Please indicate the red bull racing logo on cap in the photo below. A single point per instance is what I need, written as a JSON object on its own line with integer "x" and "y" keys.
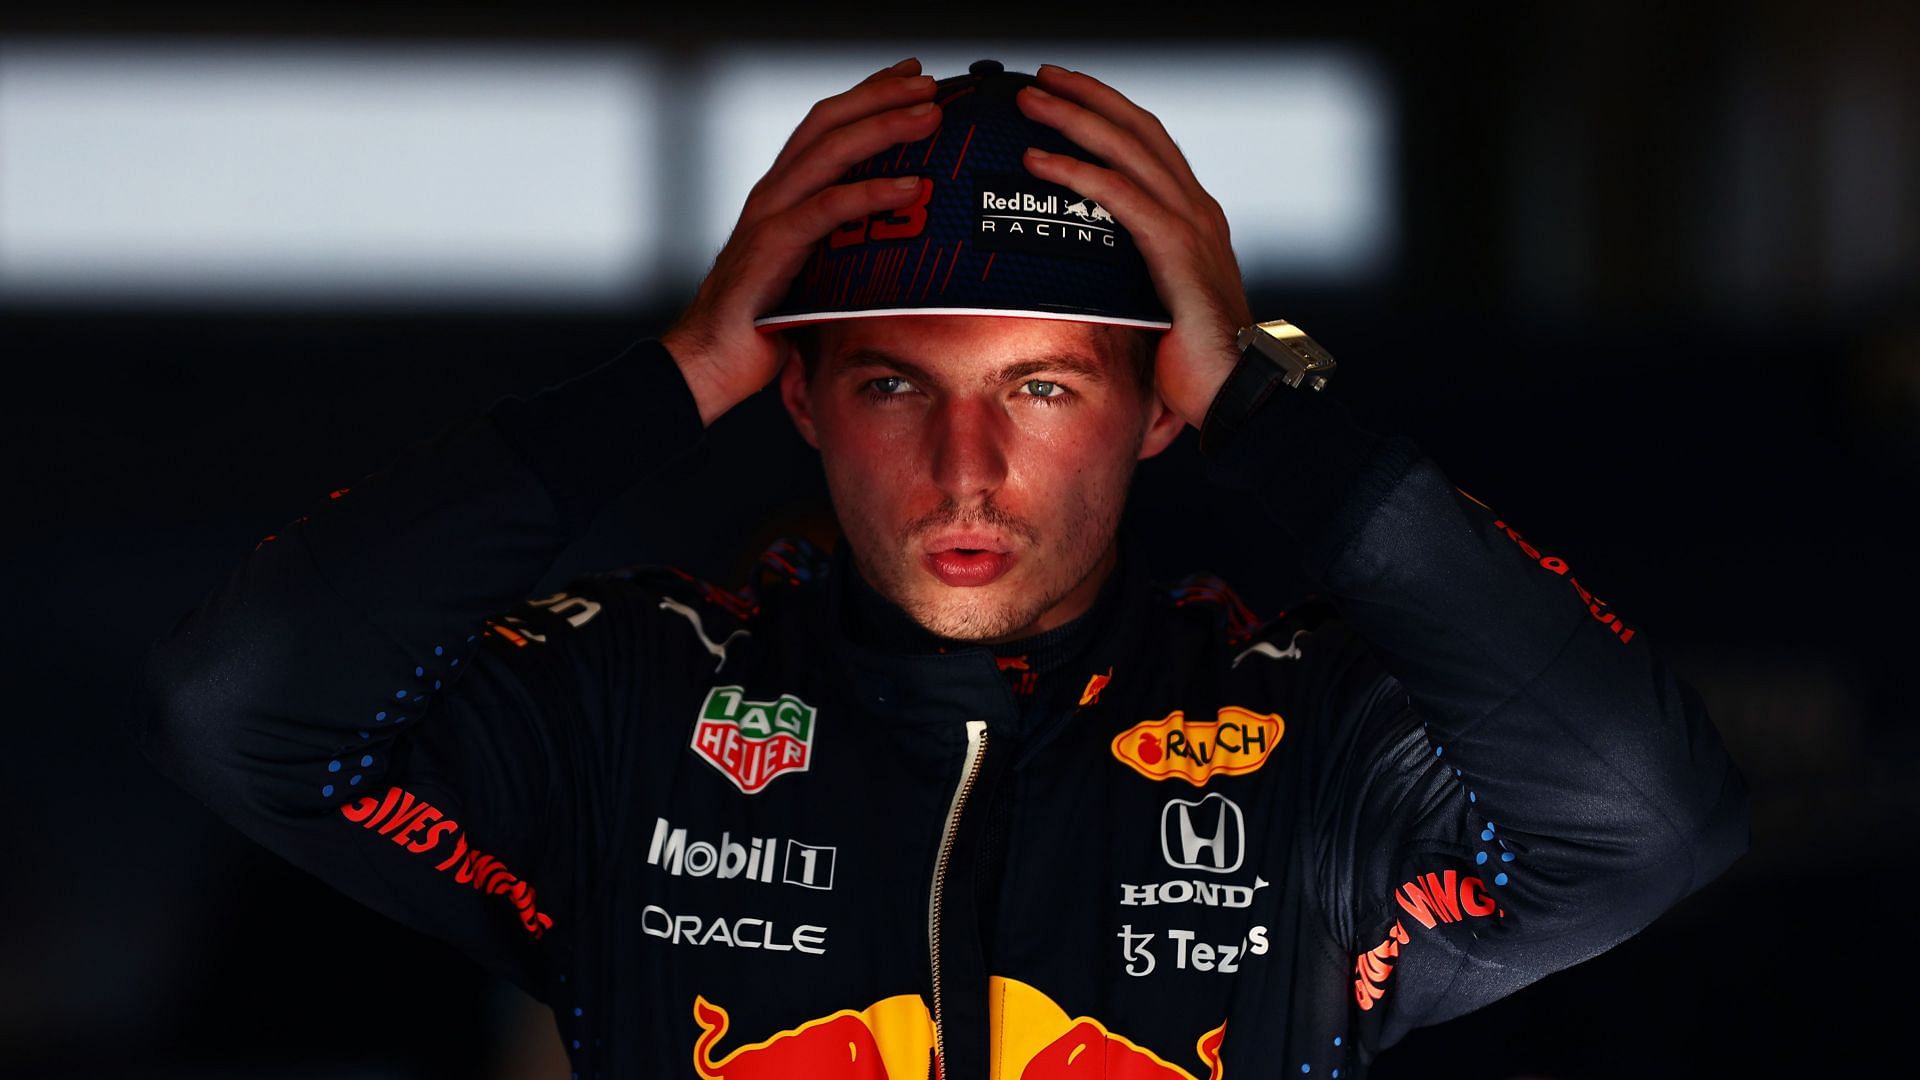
{"x": 752, "y": 742}
{"x": 1024, "y": 213}
{"x": 1238, "y": 741}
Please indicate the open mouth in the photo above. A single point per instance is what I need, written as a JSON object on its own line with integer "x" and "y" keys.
{"x": 968, "y": 568}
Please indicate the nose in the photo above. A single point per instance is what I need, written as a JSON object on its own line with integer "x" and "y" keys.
{"x": 969, "y": 449}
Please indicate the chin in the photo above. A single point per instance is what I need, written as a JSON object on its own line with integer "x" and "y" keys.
{"x": 969, "y": 619}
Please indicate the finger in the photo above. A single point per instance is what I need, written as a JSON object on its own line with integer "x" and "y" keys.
{"x": 909, "y": 66}
{"x": 1118, "y": 147}
{"x": 837, "y": 151}
{"x": 777, "y": 247}
{"x": 1170, "y": 243}
{"x": 865, "y": 99}
{"x": 1085, "y": 90}
{"x": 905, "y": 68}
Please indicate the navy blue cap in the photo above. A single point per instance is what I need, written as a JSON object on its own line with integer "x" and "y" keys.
{"x": 986, "y": 237}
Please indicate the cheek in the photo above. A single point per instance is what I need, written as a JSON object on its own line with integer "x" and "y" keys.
{"x": 870, "y": 452}
{"x": 1081, "y": 487}
{"x": 1091, "y": 453}
{"x": 867, "y": 472}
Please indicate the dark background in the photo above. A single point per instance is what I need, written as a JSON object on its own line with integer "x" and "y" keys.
{"x": 1721, "y": 437}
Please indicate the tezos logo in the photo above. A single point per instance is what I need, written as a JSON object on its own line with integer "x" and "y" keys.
{"x": 1236, "y": 742}
{"x": 751, "y": 742}
{"x": 753, "y": 858}
{"x": 1190, "y": 954}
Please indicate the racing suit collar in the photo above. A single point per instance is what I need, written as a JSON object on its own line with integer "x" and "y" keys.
{"x": 965, "y": 682}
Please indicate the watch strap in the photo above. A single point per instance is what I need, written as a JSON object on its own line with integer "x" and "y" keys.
{"x": 1248, "y": 385}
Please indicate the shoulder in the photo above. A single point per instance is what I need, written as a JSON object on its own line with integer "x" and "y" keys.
{"x": 1306, "y": 656}
{"x": 1308, "y": 663}
{"x": 1213, "y": 618}
{"x": 663, "y": 606}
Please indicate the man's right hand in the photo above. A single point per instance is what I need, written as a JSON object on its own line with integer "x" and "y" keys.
{"x": 724, "y": 359}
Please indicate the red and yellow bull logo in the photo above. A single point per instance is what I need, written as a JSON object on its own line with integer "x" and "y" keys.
{"x": 1095, "y": 684}
{"x": 892, "y": 1039}
{"x": 1035, "y": 1039}
{"x": 1238, "y": 741}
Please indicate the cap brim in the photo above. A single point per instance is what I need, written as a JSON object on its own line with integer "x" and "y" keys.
{"x": 787, "y": 322}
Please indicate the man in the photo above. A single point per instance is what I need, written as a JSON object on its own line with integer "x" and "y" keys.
{"x": 971, "y": 797}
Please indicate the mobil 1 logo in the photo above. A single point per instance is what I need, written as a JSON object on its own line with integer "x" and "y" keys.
{"x": 762, "y": 859}
{"x": 1015, "y": 212}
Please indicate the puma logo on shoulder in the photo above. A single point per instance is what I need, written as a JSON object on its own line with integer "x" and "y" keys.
{"x": 1269, "y": 649}
{"x": 700, "y": 629}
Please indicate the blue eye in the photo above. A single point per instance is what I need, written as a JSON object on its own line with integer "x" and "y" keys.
{"x": 1045, "y": 391}
{"x": 887, "y": 386}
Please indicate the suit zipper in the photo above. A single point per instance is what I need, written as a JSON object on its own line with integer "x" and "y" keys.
{"x": 976, "y": 746}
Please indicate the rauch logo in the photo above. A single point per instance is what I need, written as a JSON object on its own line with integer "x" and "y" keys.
{"x": 752, "y": 742}
{"x": 1237, "y": 742}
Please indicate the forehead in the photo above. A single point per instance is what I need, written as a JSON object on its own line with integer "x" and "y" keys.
{"x": 969, "y": 340}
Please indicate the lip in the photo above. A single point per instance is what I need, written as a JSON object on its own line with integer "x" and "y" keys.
{"x": 960, "y": 571}
{"x": 977, "y": 541}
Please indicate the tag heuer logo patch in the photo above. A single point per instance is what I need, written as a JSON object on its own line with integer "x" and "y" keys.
{"x": 1236, "y": 742}
{"x": 754, "y": 741}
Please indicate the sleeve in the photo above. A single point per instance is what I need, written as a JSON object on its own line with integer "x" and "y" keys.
{"x": 373, "y": 694}
{"x": 1509, "y": 778}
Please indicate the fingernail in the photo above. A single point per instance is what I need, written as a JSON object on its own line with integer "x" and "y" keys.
{"x": 921, "y": 109}
{"x": 1055, "y": 67}
{"x": 906, "y": 182}
{"x": 1036, "y": 92}
{"x": 1037, "y": 152}
{"x": 904, "y": 64}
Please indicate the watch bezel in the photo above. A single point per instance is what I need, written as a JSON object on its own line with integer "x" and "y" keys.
{"x": 1300, "y": 358}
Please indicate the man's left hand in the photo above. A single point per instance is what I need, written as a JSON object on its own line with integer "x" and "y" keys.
{"x": 1180, "y": 230}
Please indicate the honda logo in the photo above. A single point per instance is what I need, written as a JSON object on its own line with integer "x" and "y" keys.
{"x": 1208, "y": 834}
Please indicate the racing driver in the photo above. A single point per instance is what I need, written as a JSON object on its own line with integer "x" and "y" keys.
{"x": 968, "y": 795}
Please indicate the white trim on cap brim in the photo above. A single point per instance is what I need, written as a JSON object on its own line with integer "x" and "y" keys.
{"x": 778, "y": 322}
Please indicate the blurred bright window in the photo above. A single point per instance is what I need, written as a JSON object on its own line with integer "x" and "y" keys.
{"x": 351, "y": 175}
{"x": 355, "y": 175}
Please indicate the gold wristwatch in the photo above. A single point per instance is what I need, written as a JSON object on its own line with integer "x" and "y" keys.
{"x": 1301, "y": 359}
{"x": 1272, "y": 353}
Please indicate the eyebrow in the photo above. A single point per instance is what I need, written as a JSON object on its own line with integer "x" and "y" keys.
{"x": 1073, "y": 363}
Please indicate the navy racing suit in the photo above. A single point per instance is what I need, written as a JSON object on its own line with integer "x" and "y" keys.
{"x": 767, "y": 831}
